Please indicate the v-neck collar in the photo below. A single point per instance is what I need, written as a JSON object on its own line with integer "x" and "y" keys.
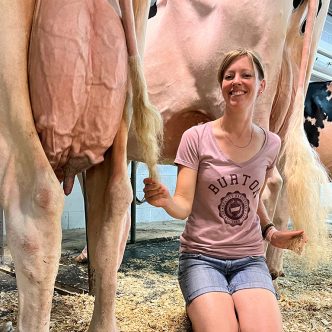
{"x": 226, "y": 158}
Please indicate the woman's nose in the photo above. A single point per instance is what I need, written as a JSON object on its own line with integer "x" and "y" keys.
{"x": 236, "y": 80}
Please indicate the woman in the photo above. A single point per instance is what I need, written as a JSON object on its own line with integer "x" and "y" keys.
{"x": 222, "y": 170}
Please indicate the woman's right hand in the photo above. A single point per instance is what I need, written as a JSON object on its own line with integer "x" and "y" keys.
{"x": 156, "y": 193}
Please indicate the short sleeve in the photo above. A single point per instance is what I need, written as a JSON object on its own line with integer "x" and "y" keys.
{"x": 187, "y": 154}
{"x": 276, "y": 148}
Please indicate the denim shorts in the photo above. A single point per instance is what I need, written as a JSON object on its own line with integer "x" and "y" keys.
{"x": 199, "y": 274}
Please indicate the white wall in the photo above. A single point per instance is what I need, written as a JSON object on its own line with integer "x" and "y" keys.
{"x": 322, "y": 70}
{"x": 73, "y": 214}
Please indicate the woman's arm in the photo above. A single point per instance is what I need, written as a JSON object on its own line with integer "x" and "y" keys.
{"x": 179, "y": 206}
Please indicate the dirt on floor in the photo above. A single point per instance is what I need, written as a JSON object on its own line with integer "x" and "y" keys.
{"x": 149, "y": 299}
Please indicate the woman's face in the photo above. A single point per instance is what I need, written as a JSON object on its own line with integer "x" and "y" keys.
{"x": 240, "y": 85}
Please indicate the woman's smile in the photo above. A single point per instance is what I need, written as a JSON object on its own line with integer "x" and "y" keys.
{"x": 237, "y": 93}
{"x": 240, "y": 84}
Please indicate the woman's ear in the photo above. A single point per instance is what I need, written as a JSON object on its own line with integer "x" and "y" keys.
{"x": 261, "y": 87}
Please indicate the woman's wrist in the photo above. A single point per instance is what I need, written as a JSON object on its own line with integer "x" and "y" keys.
{"x": 269, "y": 233}
{"x": 266, "y": 228}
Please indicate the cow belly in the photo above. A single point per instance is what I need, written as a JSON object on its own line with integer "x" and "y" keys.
{"x": 77, "y": 80}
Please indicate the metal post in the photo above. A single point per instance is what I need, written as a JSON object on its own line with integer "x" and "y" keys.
{"x": 133, "y": 203}
{"x": 2, "y": 242}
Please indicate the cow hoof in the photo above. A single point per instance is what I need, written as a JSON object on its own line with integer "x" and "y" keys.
{"x": 276, "y": 289}
{"x": 6, "y": 327}
{"x": 81, "y": 259}
{"x": 278, "y": 296}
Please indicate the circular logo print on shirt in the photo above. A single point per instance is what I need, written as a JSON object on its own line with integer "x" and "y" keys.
{"x": 234, "y": 208}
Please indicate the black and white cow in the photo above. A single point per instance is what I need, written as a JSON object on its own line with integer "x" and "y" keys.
{"x": 318, "y": 110}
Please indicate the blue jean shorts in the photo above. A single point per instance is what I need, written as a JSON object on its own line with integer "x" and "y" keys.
{"x": 199, "y": 274}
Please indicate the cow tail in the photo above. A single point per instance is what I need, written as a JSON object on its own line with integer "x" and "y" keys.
{"x": 146, "y": 119}
{"x": 147, "y": 122}
{"x": 304, "y": 173}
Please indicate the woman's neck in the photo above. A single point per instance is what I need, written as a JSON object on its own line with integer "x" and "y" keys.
{"x": 236, "y": 122}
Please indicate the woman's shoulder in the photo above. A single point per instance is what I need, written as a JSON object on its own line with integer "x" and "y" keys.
{"x": 273, "y": 137}
{"x": 197, "y": 130}
{"x": 273, "y": 143}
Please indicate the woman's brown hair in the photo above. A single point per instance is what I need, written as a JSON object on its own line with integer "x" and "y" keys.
{"x": 232, "y": 55}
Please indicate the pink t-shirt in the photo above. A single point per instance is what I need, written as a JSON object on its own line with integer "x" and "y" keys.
{"x": 224, "y": 221}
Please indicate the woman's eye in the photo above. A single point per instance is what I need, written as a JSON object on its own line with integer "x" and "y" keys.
{"x": 228, "y": 77}
{"x": 247, "y": 75}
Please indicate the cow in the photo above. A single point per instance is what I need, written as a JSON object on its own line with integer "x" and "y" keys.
{"x": 318, "y": 120}
{"x": 186, "y": 41}
{"x": 324, "y": 148}
{"x": 318, "y": 129}
{"x": 71, "y": 70}
{"x": 318, "y": 108}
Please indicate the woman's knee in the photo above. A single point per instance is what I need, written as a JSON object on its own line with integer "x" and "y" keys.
{"x": 210, "y": 311}
{"x": 257, "y": 310}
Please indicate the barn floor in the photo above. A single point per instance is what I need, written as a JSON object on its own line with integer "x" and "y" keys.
{"x": 148, "y": 297}
{"x": 73, "y": 241}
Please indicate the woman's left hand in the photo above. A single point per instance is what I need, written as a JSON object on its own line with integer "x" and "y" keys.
{"x": 292, "y": 240}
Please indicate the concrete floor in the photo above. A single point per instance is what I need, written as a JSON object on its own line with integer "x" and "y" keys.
{"x": 74, "y": 239}
{"x": 150, "y": 237}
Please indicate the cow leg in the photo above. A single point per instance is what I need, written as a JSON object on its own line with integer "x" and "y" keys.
{"x": 30, "y": 194}
{"x": 271, "y": 200}
{"x": 109, "y": 196}
{"x": 271, "y": 192}
{"x": 83, "y": 256}
{"x": 32, "y": 200}
{"x": 33, "y": 225}
{"x": 274, "y": 256}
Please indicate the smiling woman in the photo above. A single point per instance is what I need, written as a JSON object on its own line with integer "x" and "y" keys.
{"x": 222, "y": 169}
{"x": 241, "y": 81}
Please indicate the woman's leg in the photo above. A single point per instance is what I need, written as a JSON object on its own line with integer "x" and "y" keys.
{"x": 257, "y": 310}
{"x": 213, "y": 312}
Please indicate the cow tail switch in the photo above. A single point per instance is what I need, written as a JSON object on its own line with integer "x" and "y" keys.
{"x": 147, "y": 120}
{"x": 305, "y": 175}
